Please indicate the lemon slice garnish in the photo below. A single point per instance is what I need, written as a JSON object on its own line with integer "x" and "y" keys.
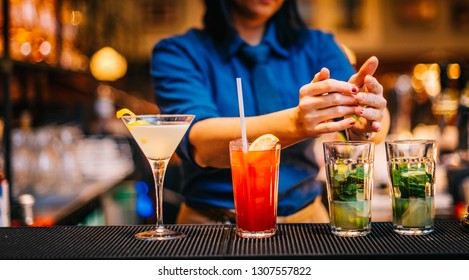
{"x": 264, "y": 142}
{"x": 133, "y": 121}
{"x": 138, "y": 122}
{"x": 123, "y": 112}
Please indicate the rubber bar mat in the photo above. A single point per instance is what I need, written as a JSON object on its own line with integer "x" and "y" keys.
{"x": 220, "y": 241}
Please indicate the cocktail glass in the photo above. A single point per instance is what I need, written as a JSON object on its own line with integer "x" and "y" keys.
{"x": 158, "y": 137}
{"x": 411, "y": 170}
{"x": 349, "y": 169}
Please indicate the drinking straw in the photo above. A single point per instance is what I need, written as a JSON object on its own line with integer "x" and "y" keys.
{"x": 241, "y": 115}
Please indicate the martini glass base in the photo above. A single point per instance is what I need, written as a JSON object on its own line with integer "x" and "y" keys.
{"x": 159, "y": 234}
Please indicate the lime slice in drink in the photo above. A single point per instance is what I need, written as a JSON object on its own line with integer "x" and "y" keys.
{"x": 414, "y": 173}
{"x": 351, "y": 214}
{"x": 416, "y": 214}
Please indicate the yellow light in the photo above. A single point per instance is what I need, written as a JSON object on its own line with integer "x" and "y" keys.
{"x": 25, "y": 48}
{"x": 434, "y": 67}
{"x": 76, "y": 18}
{"x": 432, "y": 82}
{"x": 45, "y": 48}
{"x": 453, "y": 71}
{"x": 420, "y": 70}
{"x": 108, "y": 65}
{"x": 417, "y": 84}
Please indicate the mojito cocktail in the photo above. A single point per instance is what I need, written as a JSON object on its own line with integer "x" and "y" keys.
{"x": 411, "y": 169}
{"x": 349, "y": 169}
{"x": 412, "y": 194}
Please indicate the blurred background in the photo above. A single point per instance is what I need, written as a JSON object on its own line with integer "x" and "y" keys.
{"x": 68, "y": 65}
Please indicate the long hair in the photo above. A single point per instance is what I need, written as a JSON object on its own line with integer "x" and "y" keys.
{"x": 219, "y": 23}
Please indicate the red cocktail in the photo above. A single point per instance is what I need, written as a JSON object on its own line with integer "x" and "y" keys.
{"x": 255, "y": 187}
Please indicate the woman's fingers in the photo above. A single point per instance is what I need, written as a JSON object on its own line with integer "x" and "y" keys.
{"x": 328, "y": 114}
{"x": 322, "y": 75}
{"x": 368, "y": 68}
{"x": 372, "y": 85}
{"x": 325, "y": 100}
{"x": 371, "y": 114}
{"x": 328, "y": 127}
{"x": 327, "y": 86}
{"x": 323, "y": 84}
{"x": 371, "y": 105}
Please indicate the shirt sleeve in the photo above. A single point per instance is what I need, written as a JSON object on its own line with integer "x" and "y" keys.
{"x": 179, "y": 84}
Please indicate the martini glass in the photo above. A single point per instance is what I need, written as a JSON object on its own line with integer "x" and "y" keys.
{"x": 158, "y": 137}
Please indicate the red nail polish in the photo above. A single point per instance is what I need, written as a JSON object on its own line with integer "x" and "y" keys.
{"x": 354, "y": 89}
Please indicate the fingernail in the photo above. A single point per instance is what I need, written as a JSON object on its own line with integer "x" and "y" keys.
{"x": 351, "y": 121}
{"x": 360, "y": 110}
{"x": 359, "y": 98}
{"x": 377, "y": 126}
{"x": 354, "y": 89}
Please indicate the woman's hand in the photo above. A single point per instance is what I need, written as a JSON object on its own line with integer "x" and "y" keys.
{"x": 371, "y": 103}
{"x": 324, "y": 100}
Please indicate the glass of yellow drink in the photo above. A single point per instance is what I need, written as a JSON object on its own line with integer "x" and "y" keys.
{"x": 158, "y": 137}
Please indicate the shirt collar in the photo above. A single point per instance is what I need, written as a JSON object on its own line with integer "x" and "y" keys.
{"x": 269, "y": 38}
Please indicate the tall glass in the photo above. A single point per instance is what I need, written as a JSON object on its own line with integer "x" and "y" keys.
{"x": 158, "y": 137}
{"x": 255, "y": 189}
{"x": 349, "y": 169}
{"x": 411, "y": 170}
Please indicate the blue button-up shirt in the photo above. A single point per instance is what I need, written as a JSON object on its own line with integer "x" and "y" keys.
{"x": 193, "y": 74}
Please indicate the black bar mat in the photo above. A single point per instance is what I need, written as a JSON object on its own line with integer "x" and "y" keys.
{"x": 315, "y": 241}
{"x": 110, "y": 242}
{"x": 220, "y": 242}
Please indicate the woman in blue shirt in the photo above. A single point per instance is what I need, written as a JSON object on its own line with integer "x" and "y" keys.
{"x": 195, "y": 73}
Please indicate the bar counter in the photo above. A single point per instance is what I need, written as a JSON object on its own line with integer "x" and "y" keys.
{"x": 293, "y": 241}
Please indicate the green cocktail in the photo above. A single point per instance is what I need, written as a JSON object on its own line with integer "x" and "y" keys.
{"x": 350, "y": 196}
{"x": 412, "y": 193}
{"x": 349, "y": 174}
{"x": 411, "y": 170}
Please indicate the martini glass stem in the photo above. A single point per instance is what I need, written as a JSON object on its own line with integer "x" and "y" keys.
{"x": 158, "y": 168}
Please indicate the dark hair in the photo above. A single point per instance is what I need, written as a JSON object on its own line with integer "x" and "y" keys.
{"x": 219, "y": 23}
